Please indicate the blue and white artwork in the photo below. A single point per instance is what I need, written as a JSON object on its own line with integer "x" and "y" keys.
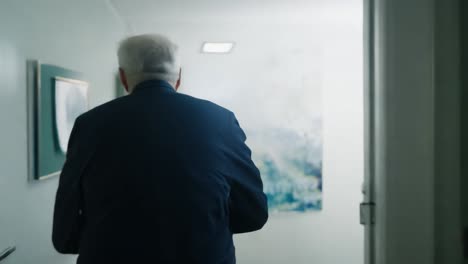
{"x": 71, "y": 100}
{"x": 290, "y": 162}
{"x": 275, "y": 88}
{"x": 283, "y": 121}
{"x": 284, "y": 128}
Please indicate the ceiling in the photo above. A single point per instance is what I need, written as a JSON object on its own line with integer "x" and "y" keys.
{"x": 142, "y": 15}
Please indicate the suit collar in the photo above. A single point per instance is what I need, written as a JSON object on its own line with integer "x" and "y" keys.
{"x": 154, "y": 85}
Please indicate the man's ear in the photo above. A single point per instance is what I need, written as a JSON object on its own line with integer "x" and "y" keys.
{"x": 123, "y": 79}
{"x": 179, "y": 81}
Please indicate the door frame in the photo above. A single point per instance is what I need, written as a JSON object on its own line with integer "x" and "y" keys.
{"x": 368, "y": 189}
{"x": 464, "y": 125}
{"x": 413, "y": 131}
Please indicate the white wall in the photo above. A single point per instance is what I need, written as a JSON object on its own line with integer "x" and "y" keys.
{"x": 79, "y": 35}
{"x": 319, "y": 42}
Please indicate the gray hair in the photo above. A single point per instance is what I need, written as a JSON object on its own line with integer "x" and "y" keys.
{"x": 148, "y": 57}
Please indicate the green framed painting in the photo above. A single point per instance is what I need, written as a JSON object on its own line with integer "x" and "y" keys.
{"x": 56, "y": 97}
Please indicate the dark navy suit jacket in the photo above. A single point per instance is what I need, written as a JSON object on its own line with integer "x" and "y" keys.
{"x": 157, "y": 177}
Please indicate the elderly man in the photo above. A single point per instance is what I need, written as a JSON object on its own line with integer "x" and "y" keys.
{"x": 156, "y": 176}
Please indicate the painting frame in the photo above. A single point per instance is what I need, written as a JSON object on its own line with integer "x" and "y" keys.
{"x": 44, "y": 161}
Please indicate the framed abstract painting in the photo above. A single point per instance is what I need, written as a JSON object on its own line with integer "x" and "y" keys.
{"x": 56, "y": 97}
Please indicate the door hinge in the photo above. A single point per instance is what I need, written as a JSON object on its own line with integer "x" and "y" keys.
{"x": 367, "y": 213}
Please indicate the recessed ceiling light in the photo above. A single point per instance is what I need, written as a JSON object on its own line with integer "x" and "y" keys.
{"x": 217, "y": 47}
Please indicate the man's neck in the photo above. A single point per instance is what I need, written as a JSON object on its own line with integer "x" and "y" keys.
{"x": 132, "y": 87}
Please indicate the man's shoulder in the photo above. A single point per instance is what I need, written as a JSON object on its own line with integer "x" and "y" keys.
{"x": 109, "y": 108}
{"x": 203, "y": 103}
{"x": 183, "y": 102}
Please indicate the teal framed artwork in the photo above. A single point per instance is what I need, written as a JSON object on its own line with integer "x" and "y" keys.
{"x": 56, "y": 97}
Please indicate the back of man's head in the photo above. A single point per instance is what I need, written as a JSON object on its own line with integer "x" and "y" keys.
{"x": 148, "y": 57}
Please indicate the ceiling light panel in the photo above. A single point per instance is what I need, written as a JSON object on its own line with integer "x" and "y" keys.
{"x": 217, "y": 47}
